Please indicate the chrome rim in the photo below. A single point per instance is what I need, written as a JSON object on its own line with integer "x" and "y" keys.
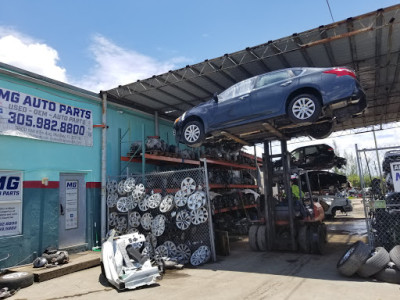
{"x": 192, "y": 133}
{"x": 303, "y": 108}
{"x": 134, "y": 219}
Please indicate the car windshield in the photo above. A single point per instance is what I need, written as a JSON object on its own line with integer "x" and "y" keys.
{"x": 237, "y": 89}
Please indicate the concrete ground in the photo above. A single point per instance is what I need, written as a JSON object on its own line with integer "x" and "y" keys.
{"x": 241, "y": 275}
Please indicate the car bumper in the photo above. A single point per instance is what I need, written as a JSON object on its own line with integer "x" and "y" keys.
{"x": 356, "y": 104}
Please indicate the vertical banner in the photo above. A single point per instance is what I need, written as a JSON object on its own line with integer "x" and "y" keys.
{"x": 395, "y": 170}
{"x": 27, "y": 116}
{"x": 71, "y": 204}
{"x": 10, "y": 203}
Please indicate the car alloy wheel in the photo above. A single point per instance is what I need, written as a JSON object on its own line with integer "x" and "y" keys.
{"x": 304, "y": 108}
{"x": 193, "y": 133}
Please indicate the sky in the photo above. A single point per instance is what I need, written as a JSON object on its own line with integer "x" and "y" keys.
{"x": 100, "y": 44}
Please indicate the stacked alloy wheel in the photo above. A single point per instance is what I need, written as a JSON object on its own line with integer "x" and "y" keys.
{"x": 137, "y": 208}
{"x": 366, "y": 261}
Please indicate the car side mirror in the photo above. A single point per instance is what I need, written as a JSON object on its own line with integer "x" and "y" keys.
{"x": 215, "y": 97}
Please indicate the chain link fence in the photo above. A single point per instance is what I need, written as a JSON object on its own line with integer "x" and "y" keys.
{"x": 381, "y": 201}
{"x": 171, "y": 209}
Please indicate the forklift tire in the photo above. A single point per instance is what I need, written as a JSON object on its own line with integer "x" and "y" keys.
{"x": 253, "y": 237}
{"x": 317, "y": 239}
{"x": 353, "y": 258}
{"x": 16, "y": 280}
{"x": 261, "y": 238}
{"x": 375, "y": 263}
{"x": 303, "y": 239}
{"x": 395, "y": 255}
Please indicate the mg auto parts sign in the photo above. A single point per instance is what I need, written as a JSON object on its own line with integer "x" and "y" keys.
{"x": 28, "y": 116}
{"x": 10, "y": 203}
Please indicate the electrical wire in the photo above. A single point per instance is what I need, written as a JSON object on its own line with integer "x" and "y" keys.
{"x": 330, "y": 11}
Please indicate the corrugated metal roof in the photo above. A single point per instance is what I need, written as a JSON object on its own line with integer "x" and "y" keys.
{"x": 370, "y": 44}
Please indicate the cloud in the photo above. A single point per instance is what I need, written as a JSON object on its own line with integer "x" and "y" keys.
{"x": 31, "y": 55}
{"x": 114, "y": 65}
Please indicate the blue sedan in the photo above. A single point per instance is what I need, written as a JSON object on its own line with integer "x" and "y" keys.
{"x": 290, "y": 101}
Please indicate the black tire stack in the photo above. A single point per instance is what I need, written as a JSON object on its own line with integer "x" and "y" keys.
{"x": 366, "y": 261}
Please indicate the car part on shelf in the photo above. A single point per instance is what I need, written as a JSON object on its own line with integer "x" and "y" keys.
{"x": 199, "y": 216}
{"x": 112, "y": 219}
{"x": 196, "y": 200}
{"x": 161, "y": 251}
{"x": 188, "y": 186}
{"x": 122, "y": 204}
{"x": 126, "y": 270}
{"x": 183, "y": 220}
{"x": 131, "y": 203}
{"x": 148, "y": 251}
{"x": 151, "y": 239}
{"x": 180, "y": 198}
{"x": 158, "y": 225}
{"x": 129, "y": 184}
{"x": 112, "y": 199}
{"x": 134, "y": 219}
{"x": 112, "y": 186}
{"x": 154, "y": 200}
{"x": 139, "y": 192}
{"x": 171, "y": 248}
{"x": 145, "y": 221}
{"x": 121, "y": 188}
{"x": 144, "y": 204}
{"x": 122, "y": 224}
{"x": 183, "y": 253}
{"x": 167, "y": 204}
{"x": 200, "y": 256}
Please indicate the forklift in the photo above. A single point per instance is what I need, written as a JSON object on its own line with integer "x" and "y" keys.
{"x": 288, "y": 223}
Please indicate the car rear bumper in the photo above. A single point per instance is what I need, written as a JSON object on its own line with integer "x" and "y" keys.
{"x": 356, "y": 104}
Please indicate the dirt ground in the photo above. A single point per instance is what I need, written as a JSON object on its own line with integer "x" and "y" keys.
{"x": 241, "y": 275}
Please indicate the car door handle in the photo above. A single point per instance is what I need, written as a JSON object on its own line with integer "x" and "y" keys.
{"x": 244, "y": 97}
{"x": 286, "y": 83}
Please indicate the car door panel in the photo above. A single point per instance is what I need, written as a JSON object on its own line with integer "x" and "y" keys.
{"x": 270, "y": 99}
{"x": 230, "y": 112}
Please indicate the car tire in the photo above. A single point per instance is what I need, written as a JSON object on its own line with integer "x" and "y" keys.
{"x": 304, "y": 108}
{"x": 378, "y": 260}
{"x": 253, "y": 237}
{"x": 193, "y": 133}
{"x": 395, "y": 255}
{"x": 353, "y": 258}
{"x": 16, "y": 280}
{"x": 321, "y": 131}
{"x": 390, "y": 274}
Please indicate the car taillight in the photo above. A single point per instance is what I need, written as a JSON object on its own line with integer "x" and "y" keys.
{"x": 341, "y": 72}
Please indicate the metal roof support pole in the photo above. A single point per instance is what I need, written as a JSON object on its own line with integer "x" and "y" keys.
{"x": 156, "y": 126}
{"x": 360, "y": 172}
{"x": 288, "y": 190}
{"x": 143, "y": 156}
{"x": 103, "y": 165}
{"x": 268, "y": 197}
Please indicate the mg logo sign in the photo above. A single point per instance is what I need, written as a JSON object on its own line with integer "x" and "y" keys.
{"x": 72, "y": 184}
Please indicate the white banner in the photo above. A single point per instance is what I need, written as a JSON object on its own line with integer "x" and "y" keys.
{"x": 10, "y": 203}
{"x": 71, "y": 204}
{"x": 395, "y": 170}
{"x": 32, "y": 117}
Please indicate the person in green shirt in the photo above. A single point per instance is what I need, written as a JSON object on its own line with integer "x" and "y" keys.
{"x": 296, "y": 192}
